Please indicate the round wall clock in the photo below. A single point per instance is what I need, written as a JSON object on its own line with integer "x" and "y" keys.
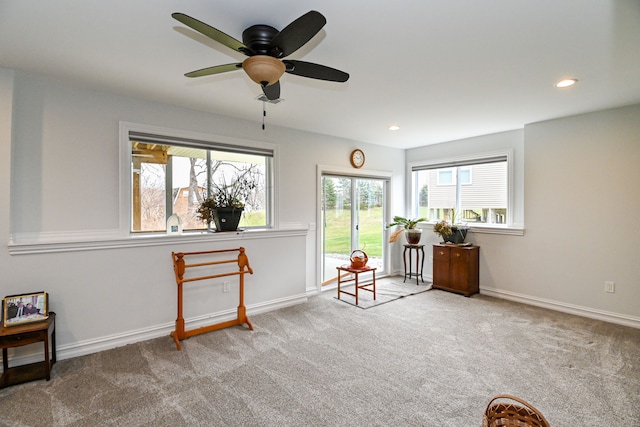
{"x": 357, "y": 158}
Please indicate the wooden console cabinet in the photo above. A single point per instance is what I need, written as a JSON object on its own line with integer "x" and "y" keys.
{"x": 456, "y": 269}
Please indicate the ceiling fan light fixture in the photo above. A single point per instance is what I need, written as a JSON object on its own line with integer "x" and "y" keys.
{"x": 566, "y": 83}
{"x": 263, "y": 68}
{"x": 263, "y": 45}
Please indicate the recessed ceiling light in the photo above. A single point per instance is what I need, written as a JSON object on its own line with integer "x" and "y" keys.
{"x": 394, "y": 127}
{"x": 566, "y": 82}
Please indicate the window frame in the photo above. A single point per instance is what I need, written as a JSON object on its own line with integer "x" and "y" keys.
{"x": 509, "y": 227}
{"x": 200, "y": 140}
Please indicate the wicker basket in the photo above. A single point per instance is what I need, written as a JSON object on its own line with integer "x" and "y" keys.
{"x": 358, "y": 259}
{"x": 499, "y": 414}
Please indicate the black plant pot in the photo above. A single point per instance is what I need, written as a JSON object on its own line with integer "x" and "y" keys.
{"x": 227, "y": 219}
{"x": 457, "y": 235}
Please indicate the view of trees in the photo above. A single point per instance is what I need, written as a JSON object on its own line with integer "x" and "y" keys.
{"x": 155, "y": 206}
{"x": 153, "y": 196}
{"x": 339, "y": 196}
{"x": 337, "y": 216}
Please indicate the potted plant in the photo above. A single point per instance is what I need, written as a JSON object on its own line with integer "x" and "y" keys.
{"x": 451, "y": 231}
{"x": 409, "y": 225}
{"x": 225, "y": 204}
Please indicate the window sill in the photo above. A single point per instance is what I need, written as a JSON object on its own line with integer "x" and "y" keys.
{"x": 71, "y": 242}
{"x": 486, "y": 229}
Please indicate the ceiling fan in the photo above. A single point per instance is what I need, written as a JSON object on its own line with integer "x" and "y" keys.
{"x": 266, "y": 47}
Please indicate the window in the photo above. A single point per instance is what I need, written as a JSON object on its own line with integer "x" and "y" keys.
{"x": 173, "y": 175}
{"x": 477, "y": 188}
{"x": 450, "y": 176}
{"x": 445, "y": 176}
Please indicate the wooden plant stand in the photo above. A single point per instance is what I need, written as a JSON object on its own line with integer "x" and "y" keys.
{"x": 180, "y": 266}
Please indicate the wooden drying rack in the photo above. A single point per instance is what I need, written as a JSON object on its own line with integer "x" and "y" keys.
{"x": 180, "y": 266}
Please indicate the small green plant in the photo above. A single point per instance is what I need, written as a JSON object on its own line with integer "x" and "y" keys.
{"x": 405, "y": 223}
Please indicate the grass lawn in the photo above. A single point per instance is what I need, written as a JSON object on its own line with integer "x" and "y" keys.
{"x": 338, "y": 230}
{"x": 339, "y": 234}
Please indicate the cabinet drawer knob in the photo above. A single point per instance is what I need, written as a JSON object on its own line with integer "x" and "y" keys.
{"x": 457, "y": 254}
{"x": 441, "y": 253}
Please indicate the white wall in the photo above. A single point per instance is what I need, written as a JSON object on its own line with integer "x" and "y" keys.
{"x": 582, "y": 185}
{"x": 581, "y": 207}
{"x": 6, "y": 105}
{"x": 60, "y": 149}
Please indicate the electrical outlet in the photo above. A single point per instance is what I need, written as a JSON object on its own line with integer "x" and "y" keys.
{"x": 609, "y": 287}
{"x": 225, "y": 286}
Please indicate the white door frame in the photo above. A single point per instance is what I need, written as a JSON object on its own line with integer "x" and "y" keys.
{"x": 355, "y": 173}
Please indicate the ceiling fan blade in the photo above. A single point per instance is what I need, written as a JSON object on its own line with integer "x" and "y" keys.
{"x": 272, "y": 92}
{"x": 212, "y": 33}
{"x": 315, "y": 71}
{"x": 296, "y": 34}
{"x": 217, "y": 69}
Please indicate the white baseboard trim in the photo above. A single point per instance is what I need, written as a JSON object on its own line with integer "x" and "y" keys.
{"x": 82, "y": 348}
{"x": 592, "y": 313}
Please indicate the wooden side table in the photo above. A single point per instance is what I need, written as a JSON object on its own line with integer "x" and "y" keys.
{"x": 30, "y": 333}
{"x": 419, "y": 263}
{"x": 356, "y": 272}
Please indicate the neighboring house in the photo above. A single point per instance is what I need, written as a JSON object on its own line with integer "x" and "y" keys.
{"x": 483, "y": 190}
{"x": 187, "y": 207}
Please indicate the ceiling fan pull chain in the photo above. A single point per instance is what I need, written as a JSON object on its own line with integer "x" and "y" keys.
{"x": 264, "y": 113}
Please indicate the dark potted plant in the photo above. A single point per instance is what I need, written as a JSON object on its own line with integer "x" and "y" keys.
{"x": 413, "y": 234}
{"x": 225, "y": 204}
{"x": 451, "y": 231}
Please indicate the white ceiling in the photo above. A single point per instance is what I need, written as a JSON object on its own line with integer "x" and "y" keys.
{"x": 439, "y": 69}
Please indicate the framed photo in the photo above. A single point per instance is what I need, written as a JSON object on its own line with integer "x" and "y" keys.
{"x": 27, "y": 308}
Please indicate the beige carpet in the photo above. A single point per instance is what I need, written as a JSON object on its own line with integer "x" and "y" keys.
{"x": 432, "y": 359}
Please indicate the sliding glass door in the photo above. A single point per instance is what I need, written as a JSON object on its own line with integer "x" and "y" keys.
{"x": 352, "y": 218}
